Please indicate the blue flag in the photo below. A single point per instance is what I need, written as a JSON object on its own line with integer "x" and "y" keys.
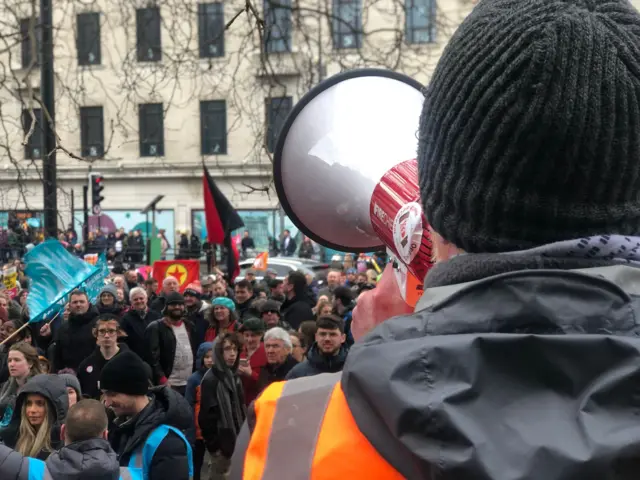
{"x": 54, "y": 274}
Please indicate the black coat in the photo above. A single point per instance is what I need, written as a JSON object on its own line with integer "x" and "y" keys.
{"x": 316, "y": 363}
{"x": 161, "y": 345}
{"x": 166, "y": 407}
{"x": 134, "y": 325}
{"x": 270, "y": 373}
{"x": 297, "y": 310}
{"x": 74, "y": 340}
{"x": 89, "y": 372}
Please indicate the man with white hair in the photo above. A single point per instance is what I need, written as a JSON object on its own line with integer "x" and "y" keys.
{"x": 169, "y": 285}
{"x": 135, "y": 321}
{"x": 277, "y": 344}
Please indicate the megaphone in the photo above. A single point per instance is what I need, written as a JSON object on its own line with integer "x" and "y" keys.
{"x": 345, "y": 167}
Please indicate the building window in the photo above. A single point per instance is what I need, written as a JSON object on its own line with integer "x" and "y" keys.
{"x": 213, "y": 127}
{"x": 277, "y": 111}
{"x": 35, "y": 146}
{"x": 277, "y": 26}
{"x": 92, "y": 131}
{"x": 149, "y": 39}
{"x": 88, "y": 38}
{"x": 26, "y": 42}
{"x": 347, "y": 24}
{"x": 211, "y": 30}
{"x": 420, "y": 21}
{"x": 151, "y": 130}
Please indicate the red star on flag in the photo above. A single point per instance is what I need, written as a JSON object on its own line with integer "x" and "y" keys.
{"x": 177, "y": 274}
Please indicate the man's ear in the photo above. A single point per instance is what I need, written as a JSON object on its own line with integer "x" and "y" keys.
{"x": 63, "y": 432}
{"x": 105, "y": 434}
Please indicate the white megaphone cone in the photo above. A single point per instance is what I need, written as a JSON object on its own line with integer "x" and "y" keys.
{"x": 345, "y": 166}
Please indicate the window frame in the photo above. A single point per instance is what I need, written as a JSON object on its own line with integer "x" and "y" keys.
{"x": 145, "y": 111}
{"x": 38, "y": 133}
{"x": 342, "y": 29}
{"x": 206, "y": 21}
{"x": 84, "y": 43}
{"x": 25, "y": 43}
{"x": 208, "y": 111}
{"x": 272, "y": 117}
{"x": 144, "y": 38}
{"x": 87, "y": 114}
{"x": 411, "y": 13}
{"x": 278, "y": 43}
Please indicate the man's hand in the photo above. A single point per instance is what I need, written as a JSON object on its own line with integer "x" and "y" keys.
{"x": 377, "y": 305}
{"x": 45, "y": 330}
{"x": 245, "y": 370}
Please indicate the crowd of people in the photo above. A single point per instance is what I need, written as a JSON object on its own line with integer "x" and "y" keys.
{"x": 154, "y": 356}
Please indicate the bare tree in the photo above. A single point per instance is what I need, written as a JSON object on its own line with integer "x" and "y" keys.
{"x": 279, "y": 48}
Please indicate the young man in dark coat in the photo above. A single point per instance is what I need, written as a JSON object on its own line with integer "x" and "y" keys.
{"x": 298, "y": 306}
{"x": 139, "y": 411}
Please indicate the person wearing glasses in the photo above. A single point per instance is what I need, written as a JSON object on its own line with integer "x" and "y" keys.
{"x": 107, "y": 331}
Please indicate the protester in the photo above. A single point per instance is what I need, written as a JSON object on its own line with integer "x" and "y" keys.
{"x": 86, "y": 453}
{"x": 521, "y": 359}
{"x": 136, "y": 320}
{"x": 171, "y": 345}
{"x": 328, "y": 353}
{"x": 222, "y": 409}
{"x": 23, "y": 364}
{"x": 253, "y": 357}
{"x": 40, "y": 410}
{"x": 204, "y": 361}
{"x": 277, "y": 345}
{"x": 141, "y": 413}
{"x": 72, "y": 385}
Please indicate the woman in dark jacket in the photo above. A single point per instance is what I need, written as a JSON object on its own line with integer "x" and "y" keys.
{"x": 41, "y": 407}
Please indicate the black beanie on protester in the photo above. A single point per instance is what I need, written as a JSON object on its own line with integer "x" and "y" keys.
{"x": 125, "y": 373}
{"x": 530, "y": 130}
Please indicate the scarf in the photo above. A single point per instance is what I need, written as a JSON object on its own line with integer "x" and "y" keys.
{"x": 230, "y": 402}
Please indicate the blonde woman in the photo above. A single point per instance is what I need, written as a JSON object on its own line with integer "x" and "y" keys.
{"x": 22, "y": 363}
{"x": 41, "y": 408}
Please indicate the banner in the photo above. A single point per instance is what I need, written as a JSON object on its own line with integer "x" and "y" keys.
{"x": 54, "y": 274}
{"x": 184, "y": 271}
{"x": 10, "y": 281}
{"x": 261, "y": 262}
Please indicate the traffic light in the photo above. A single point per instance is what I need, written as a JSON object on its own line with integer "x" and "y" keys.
{"x": 97, "y": 185}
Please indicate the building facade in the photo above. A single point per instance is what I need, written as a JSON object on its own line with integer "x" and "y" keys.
{"x": 148, "y": 92}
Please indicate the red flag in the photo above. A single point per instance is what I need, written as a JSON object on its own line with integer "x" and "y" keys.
{"x": 222, "y": 219}
{"x": 185, "y": 271}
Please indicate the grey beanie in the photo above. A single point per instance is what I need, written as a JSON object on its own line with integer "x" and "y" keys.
{"x": 530, "y": 131}
{"x": 71, "y": 381}
{"x": 111, "y": 289}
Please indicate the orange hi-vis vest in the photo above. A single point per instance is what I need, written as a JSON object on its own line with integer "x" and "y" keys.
{"x": 305, "y": 431}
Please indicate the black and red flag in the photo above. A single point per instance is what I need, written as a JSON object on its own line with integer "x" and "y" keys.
{"x": 222, "y": 219}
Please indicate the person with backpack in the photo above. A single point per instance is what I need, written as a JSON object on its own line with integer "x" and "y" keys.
{"x": 148, "y": 432}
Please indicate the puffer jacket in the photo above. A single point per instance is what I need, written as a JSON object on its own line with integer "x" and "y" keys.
{"x": 54, "y": 390}
{"x": 317, "y": 363}
{"x": 166, "y": 407}
{"x": 92, "y": 459}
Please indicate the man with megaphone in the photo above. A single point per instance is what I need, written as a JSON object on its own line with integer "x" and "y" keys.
{"x": 522, "y": 359}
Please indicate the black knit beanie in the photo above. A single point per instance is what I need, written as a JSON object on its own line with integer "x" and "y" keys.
{"x": 125, "y": 373}
{"x": 530, "y": 131}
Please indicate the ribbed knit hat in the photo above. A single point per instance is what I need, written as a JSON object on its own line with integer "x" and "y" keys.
{"x": 125, "y": 373}
{"x": 530, "y": 131}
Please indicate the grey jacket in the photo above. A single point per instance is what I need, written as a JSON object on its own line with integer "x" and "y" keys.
{"x": 510, "y": 369}
{"x": 92, "y": 459}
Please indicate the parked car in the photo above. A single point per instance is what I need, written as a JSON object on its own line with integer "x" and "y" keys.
{"x": 283, "y": 266}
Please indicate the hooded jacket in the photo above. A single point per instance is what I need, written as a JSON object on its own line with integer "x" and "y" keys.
{"x": 192, "y": 392}
{"x": 317, "y": 362}
{"x": 74, "y": 340}
{"x": 528, "y": 374}
{"x": 54, "y": 390}
{"x": 166, "y": 407}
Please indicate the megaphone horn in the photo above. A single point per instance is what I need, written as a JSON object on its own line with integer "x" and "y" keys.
{"x": 345, "y": 166}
